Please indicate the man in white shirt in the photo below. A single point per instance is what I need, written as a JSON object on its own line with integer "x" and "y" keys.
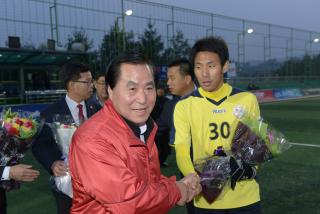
{"x": 77, "y": 79}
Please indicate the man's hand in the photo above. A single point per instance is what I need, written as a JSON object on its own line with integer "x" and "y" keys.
{"x": 184, "y": 193}
{"x": 192, "y": 184}
{"x": 240, "y": 171}
{"x": 59, "y": 168}
{"x": 22, "y": 172}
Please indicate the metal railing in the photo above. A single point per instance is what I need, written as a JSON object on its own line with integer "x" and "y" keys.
{"x": 46, "y": 96}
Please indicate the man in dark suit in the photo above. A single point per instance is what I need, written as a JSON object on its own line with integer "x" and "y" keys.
{"x": 180, "y": 83}
{"x": 100, "y": 95}
{"x": 18, "y": 172}
{"x": 77, "y": 79}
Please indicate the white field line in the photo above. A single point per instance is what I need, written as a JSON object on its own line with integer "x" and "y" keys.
{"x": 289, "y": 99}
{"x": 305, "y": 144}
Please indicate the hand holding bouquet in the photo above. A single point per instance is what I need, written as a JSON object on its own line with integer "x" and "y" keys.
{"x": 17, "y": 132}
{"x": 63, "y": 128}
{"x": 255, "y": 141}
{"x": 214, "y": 173}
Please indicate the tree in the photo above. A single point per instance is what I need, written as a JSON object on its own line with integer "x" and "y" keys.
{"x": 179, "y": 48}
{"x": 112, "y": 44}
{"x": 151, "y": 44}
{"x": 79, "y": 37}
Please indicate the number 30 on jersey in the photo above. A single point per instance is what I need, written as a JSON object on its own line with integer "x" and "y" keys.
{"x": 219, "y": 130}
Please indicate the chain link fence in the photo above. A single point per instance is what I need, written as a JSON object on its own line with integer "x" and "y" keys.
{"x": 256, "y": 49}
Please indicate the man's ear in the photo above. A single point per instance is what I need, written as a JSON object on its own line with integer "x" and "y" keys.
{"x": 69, "y": 85}
{"x": 188, "y": 79}
{"x": 110, "y": 92}
{"x": 225, "y": 67}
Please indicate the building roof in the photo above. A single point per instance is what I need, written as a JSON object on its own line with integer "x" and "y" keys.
{"x": 13, "y": 56}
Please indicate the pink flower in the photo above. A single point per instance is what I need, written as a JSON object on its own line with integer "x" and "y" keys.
{"x": 18, "y": 121}
{"x": 28, "y": 124}
{"x": 12, "y": 130}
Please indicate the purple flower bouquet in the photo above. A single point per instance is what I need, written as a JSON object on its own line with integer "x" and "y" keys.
{"x": 214, "y": 173}
{"x": 256, "y": 142}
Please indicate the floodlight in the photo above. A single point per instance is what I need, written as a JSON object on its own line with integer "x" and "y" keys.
{"x": 250, "y": 30}
{"x": 128, "y": 12}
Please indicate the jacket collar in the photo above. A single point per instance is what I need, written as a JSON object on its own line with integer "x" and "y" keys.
{"x": 132, "y": 130}
{"x": 136, "y": 129}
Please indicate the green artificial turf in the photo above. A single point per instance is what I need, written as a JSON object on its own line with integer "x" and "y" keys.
{"x": 289, "y": 184}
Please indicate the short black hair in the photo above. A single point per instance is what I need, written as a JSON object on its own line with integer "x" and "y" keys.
{"x": 211, "y": 44}
{"x": 131, "y": 57}
{"x": 98, "y": 75}
{"x": 71, "y": 72}
{"x": 185, "y": 66}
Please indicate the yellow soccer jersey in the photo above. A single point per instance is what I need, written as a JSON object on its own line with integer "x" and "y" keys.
{"x": 205, "y": 121}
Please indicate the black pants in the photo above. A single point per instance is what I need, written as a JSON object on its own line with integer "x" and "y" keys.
{"x": 63, "y": 202}
{"x": 3, "y": 201}
{"x": 250, "y": 209}
{"x": 190, "y": 207}
{"x": 163, "y": 147}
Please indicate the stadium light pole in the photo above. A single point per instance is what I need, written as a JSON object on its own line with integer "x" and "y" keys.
{"x": 128, "y": 12}
{"x": 168, "y": 40}
{"x": 172, "y": 26}
{"x": 211, "y": 27}
{"x": 309, "y": 43}
{"x": 241, "y": 43}
{"x": 315, "y": 40}
{"x": 207, "y": 31}
{"x": 309, "y": 51}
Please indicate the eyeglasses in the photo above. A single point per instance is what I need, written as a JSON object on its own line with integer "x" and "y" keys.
{"x": 85, "y": 82}
{"x": 100, "y": 83}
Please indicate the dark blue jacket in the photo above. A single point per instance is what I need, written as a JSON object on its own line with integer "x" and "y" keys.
{"x": 45, "y": 149}
{"x": 165, "y": 121}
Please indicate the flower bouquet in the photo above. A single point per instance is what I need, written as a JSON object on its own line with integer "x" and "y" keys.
{"x": 256, "y": 142}
{"x": 63, "y": 128}
{"x": 17, "y": 132}
{"x": 214, "y": 174}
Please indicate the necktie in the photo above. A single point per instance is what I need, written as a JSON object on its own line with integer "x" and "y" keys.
{"x": 80, "y": 115}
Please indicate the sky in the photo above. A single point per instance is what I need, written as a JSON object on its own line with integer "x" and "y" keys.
{"x": 301, "y": 14}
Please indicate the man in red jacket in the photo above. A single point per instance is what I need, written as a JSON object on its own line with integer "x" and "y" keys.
{"x": 114, "y": 161}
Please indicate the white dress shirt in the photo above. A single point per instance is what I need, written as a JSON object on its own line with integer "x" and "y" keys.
{"x": 73, "y": 106}
{"x": 5, "y": 174}
{"x": 143, "y": 129}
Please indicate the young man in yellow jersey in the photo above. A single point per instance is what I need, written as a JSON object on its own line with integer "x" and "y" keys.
{"x": 203, "y": 124}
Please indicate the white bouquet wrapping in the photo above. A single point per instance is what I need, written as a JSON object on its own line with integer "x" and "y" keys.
{"x": 63, "y": 128}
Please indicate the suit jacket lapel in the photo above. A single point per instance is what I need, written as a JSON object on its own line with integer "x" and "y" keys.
{"x": 91, "y": 108}
{"x": 64, "y": 108}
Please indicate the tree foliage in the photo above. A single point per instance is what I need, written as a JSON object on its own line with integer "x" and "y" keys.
{"x": 307, "y": 66}
{"x": 179, "y": 48}
{"x": 151, "y": 44}
{"x": 79, "y": 36}
{"x": 112, "y": 44}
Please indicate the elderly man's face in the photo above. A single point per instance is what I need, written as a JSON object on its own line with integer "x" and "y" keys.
{"x": 82, "y": 88}
{"x": 134, "y": 95}
{"x": 100, "y": 86}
